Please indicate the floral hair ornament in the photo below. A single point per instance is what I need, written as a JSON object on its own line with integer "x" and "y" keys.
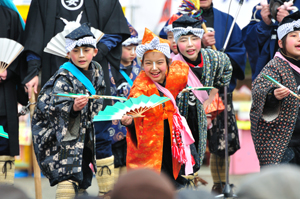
{"x": 152, "y": 43}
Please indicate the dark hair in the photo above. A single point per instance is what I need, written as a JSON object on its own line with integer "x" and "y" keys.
{"x": 167, "y": 61}
{"x": 284, "y": 44}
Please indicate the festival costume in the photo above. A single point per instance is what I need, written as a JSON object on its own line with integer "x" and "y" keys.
{"x": 217, "y": 73}
{"x": 275, "y": 123}
{"x": 145, "y": 146}
{"x": 261, "y": 41}
{"x": 64, "y": 139}
{"x": 122, "y": 88}
{"x": 151, "y": 139}
{"x": 11, "y": 28}
{"x": 236, "y": 52}
{"x": 214, "y": 70}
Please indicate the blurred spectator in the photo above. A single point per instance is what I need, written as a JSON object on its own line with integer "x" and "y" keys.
{"x": 143, "y": 184}
{"x": 276, "y": 182}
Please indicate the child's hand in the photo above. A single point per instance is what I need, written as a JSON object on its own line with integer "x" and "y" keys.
{"x": 3, "y": 76}
{"x": 126, "y": 120}
{"x": 281, "y": 93}
{"x": 208, "y": 122}
{"x": 79, "y": 103}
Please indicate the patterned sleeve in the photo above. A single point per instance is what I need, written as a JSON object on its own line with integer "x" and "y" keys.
{"x": 60, "y": 107}
{"x": 223, "y": 70}
{"x": 260, "y": 89}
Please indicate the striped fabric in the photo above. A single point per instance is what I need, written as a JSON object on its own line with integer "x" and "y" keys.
{"x": 217, "y": 168}
{"x": 286, "y": 28}
{"x": 70, "y": 43}
{"x": 183, "y": 31}
{"x": 154, "y": 44}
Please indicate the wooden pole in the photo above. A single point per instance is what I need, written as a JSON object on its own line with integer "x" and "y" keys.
{"x": 36, "y": 168}
{"x": 205, "y": 30}
{"x": 203, "y": 25}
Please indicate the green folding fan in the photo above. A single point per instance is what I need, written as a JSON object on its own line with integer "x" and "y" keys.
{"x": 278, "y": 84}
{"x": 74, "y": 95}
{"x": 3, "y": 133}
{"x": 133, "y": 106}
{"x": 185, "y": 90}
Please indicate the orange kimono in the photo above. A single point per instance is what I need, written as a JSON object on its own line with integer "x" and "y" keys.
{"x": 145, "y": 148}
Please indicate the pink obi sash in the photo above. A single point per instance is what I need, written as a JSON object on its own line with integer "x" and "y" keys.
{"x": 180, "y": 150}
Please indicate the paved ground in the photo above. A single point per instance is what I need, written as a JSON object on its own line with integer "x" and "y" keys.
{"x": 27, "y": 184}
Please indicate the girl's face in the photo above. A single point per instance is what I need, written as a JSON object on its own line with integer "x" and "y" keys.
{"x": 292, "y": 44}
{"x": 128, "y": 55}
{"x": 155, "y": 66}
{"x": 189, "y": 46}
{"x": 82, "y": 56}
{"x": 173, "y": 45}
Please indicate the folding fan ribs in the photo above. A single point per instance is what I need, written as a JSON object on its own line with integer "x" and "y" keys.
{"x": 74, "y": 95}
{"x": 185, "y": 90}
{"x": 133, "y": 106}
{"x": 9, "y": 51}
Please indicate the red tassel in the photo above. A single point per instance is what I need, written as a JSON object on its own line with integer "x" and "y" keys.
{"x": 175, "y": 151}
{"x": 193, "y": 160}
{"x": 182, "y": 157}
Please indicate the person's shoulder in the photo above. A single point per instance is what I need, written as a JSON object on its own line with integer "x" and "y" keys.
{"x": 222, "y": 13}
{"x": 214, "y": 54}
{"x": 8, "y": 11}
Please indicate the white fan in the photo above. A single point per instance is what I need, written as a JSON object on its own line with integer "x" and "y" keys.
{"x": 57, "y": 44}
{"x": 9, "y": 51}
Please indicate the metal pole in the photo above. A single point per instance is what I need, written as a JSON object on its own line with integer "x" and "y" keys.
{"x": 227, "y": 191}
{"x": 232, "y": 25}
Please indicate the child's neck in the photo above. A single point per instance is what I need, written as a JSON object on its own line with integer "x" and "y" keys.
{"x": 196, "y": 62}
{"x": 125, "y": 64}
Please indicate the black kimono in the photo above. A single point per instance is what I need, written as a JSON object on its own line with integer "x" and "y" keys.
{"x": 10, "y": 28}
{"x": 44, "y": 22}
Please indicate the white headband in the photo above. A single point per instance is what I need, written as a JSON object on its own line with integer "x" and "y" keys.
{"x": 70, "y": 43}
{"x": 154, "y": 44}
{"x": 284, "y": 29}
{"x": 131, "y": 41}
{"x": 183, "y": 31}
{"x": 168, "y": 28}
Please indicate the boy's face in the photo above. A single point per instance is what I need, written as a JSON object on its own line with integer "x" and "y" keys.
{"x": 128, "y": 54}
{"x": 292, "y": 44}
{"x": 173, "y": 46}
{"x": 82, "y": 56}
{"x": 189, "y": 46}
{"x": 155, "y": 66}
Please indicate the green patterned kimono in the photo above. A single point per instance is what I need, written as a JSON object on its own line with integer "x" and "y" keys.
{"x": 217, "y": 71}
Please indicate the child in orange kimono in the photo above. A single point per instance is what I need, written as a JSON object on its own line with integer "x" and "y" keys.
{"x": 150, "y": 139}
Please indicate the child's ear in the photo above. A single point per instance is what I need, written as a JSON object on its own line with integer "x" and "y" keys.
{"x": 95, "y": 52}
{"x": 68, "y": 55}
{"x": 280, "y": 44}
